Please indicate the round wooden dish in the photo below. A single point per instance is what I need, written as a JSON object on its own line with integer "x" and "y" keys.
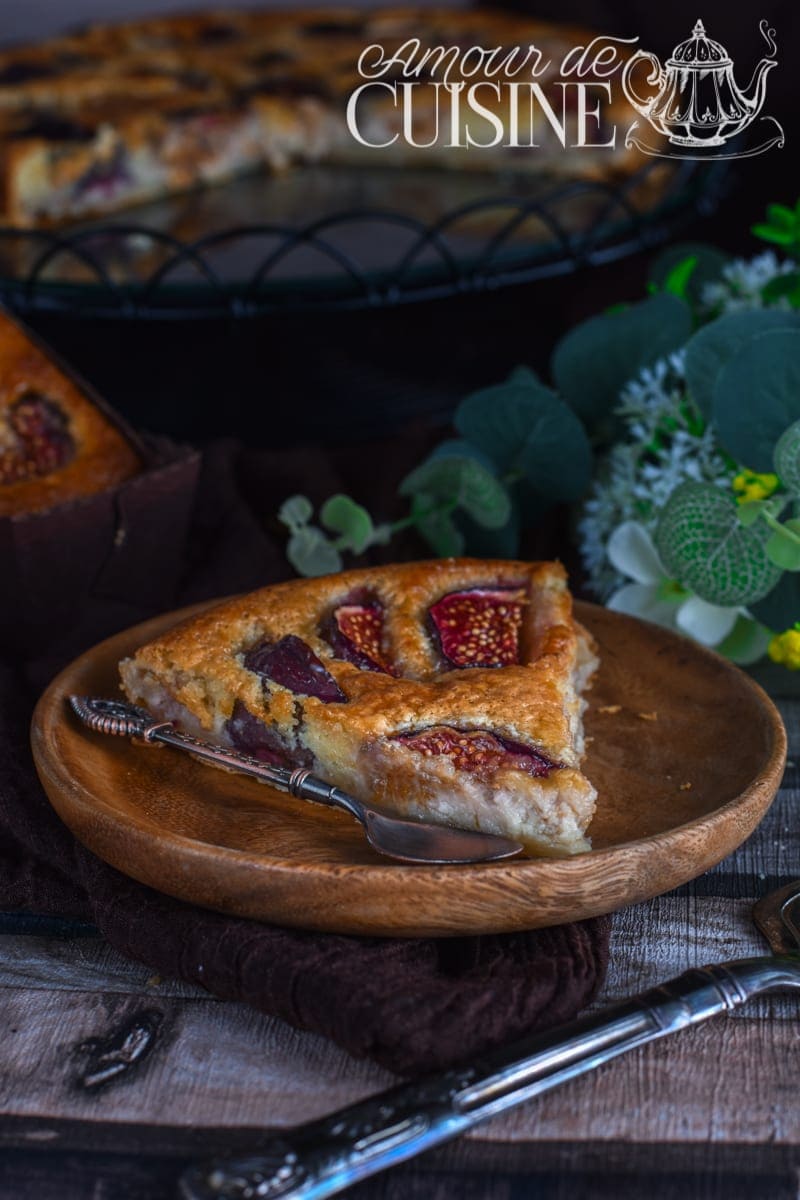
{"x": 687, "y": 754}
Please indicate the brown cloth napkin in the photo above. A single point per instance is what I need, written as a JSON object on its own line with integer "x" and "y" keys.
{"x": 412, "y": 1005}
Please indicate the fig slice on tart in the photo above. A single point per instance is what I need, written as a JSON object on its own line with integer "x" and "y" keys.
{"x": 251, "y": 735}
{"x": 37, "y": 439}
{"x": 480, "y": 751}
{"x": 480, "y": 626}
{"x": 355, "y": 633}
{"x": 255, "y": 738}
{"x": 292, "y": 663}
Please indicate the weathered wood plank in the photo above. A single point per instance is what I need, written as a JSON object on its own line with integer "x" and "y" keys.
{"x": 191, "y": 1142}
{"x": 557, "y": 1174}
{"x": 218, "y": 1064}
{"x": 209, "y": 1063}
{"x": 651, "y": 943}
{"x": 84, "y": 963}
{"x": 723, "y": 1081}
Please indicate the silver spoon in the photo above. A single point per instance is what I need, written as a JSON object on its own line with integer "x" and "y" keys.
{"x": 408, "y": 841}
{"x": 326, "y": 1156}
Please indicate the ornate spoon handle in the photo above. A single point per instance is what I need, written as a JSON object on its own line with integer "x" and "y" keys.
{"x": 126, "y": 720}
{"x": 324, "y": 1157}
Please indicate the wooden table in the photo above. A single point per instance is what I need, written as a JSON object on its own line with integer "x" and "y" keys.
{"x": 713, "y": 1112}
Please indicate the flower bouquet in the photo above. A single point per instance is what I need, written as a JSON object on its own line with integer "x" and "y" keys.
{"x": 672, "y": 425}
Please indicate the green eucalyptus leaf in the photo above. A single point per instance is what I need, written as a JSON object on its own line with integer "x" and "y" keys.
{"x": 296, "y": 512}
{"x": 465, "y": 483}
{"x": 749, "y": 512}
{"x": 780, "y": 608}
{"x": 746, "y": 643}
{"x": 529, "y": 433}
{"x": 718, "y": 342}
{"x": 757, "y": 395}
{"x": 783, "y": 547}
{"x": 702, "y": 544}
{"x": 353, "y": 523}
{"x": 461, "y": 448}
{"x": 594, "y": 360}
{"x": 436, "y": 526}
{"x": 311, "y": 553}
{"x": 787, "y": 458}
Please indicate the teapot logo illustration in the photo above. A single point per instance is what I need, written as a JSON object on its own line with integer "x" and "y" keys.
{"x": 698, "y": 106}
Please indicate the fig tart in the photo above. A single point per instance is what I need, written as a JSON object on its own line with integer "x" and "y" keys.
{"x": 449, "y": 690}
{"x": 57, "y": 443}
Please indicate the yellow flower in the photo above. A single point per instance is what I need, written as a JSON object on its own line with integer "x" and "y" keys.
{"x": 750, "y": 485}
{"x": 785, "y": 648}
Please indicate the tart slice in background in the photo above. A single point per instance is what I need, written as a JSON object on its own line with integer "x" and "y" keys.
{"x": 57, "y": 443}
{"x": 449, "y": 690}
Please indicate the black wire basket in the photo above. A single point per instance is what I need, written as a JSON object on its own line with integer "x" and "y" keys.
{"x": 346, "y": 240}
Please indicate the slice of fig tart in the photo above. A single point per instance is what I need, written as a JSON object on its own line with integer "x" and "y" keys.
{"x": 450, "y": 690}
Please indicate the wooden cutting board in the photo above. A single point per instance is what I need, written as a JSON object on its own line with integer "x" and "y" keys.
{"x": 686, "y": 752}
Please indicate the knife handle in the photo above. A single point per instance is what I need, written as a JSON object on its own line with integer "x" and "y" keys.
{"x": 311, "y": 1161}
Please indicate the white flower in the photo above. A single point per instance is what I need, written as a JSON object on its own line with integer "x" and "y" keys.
{"x": 611, "y": 501}
{"x": 664, "y": 445}
{"x": 653, "y": 596}
{"x": 742, "y": 281}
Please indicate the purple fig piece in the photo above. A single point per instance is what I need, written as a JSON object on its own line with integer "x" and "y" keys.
{"x": 295, "y": 666}
{"x": 253, "y": 737}
{"x": 39, "y": 442}
{"x": 478, "y": 750}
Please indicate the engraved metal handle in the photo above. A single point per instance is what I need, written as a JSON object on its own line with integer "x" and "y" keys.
{"x": 326, "y": 1156}
{"x": 127, "y": 720}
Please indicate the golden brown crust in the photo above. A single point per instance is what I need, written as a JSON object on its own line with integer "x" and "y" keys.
{"x": 209, "y": 646}
{"x": 101, "y": 457}
{"x": 199, "y": 666}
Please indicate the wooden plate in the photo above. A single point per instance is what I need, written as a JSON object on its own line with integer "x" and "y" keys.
{"x": 685, "y": 769}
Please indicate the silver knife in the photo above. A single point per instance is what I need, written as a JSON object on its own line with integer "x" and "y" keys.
{"x": 324, "y": 1157}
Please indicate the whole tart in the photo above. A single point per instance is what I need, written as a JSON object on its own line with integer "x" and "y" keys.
{"x": 449, "y": 690}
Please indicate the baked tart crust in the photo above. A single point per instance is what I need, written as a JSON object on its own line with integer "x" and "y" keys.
{"x": 398, "y": 715}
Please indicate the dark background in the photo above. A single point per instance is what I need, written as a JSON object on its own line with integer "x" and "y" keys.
{"x": 347, "y": 376}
